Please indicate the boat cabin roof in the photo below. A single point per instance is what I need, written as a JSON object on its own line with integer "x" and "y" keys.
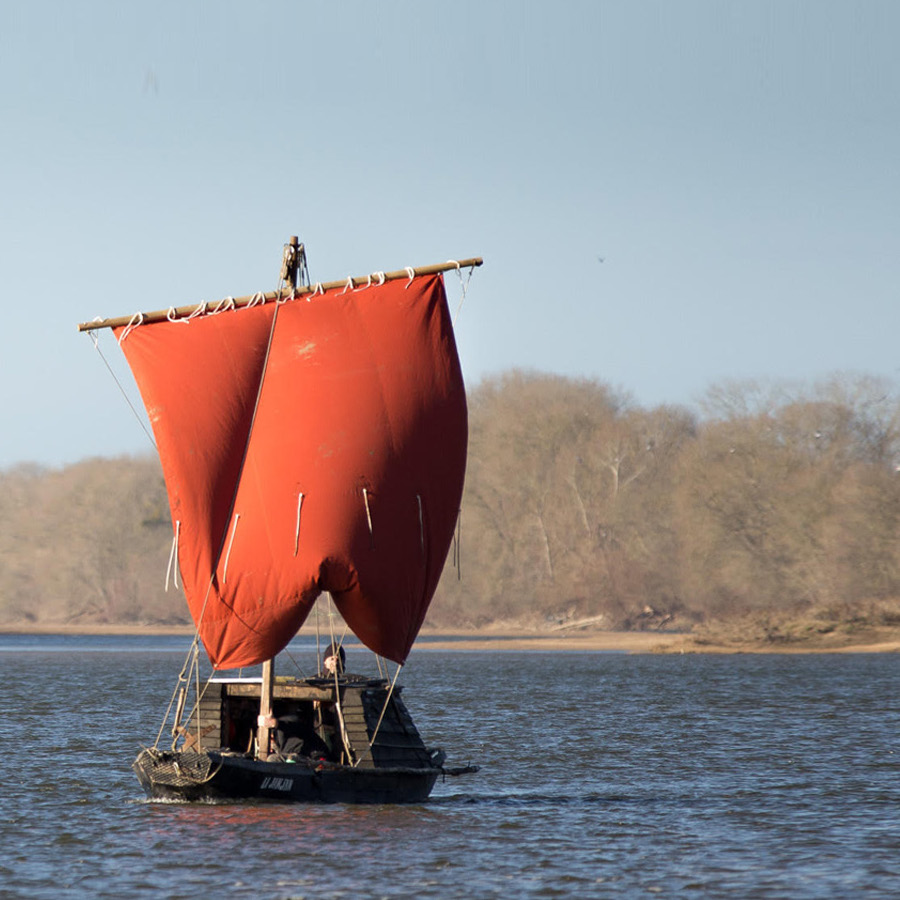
{"x": 286, "y": 688}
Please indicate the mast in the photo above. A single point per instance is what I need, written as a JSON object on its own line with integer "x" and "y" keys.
{"x": 294, "y": 272}
{"x": 266, "y": 721}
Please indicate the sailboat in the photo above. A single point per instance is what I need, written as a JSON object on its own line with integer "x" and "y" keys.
{"x": 313, "y": 443}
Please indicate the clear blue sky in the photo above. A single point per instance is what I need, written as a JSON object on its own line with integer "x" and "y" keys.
{"x": 736, "y": 165}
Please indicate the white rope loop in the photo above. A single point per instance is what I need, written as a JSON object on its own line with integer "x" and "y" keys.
{"x": 136, "y": 320}
{"x": 464, "y": 286}
{"x": 173, "y": 558}
{"x": 199, "y": 310}
{"x": 368, "y": 284}
{"x": 237, "y": 516}
{"x": 225, "y": 304}
{"x": 412, "y": 274}
{"x": 365, "y": 494}
{"x": 381, "y": 278}
{"x": 297, "y": 531}
{"x": 318, "y": 289}
{"x": 258, "y": 299}
{"x": 349, "y": 286}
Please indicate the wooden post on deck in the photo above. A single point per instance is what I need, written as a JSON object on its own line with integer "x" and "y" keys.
{"x": 266, "y": 721}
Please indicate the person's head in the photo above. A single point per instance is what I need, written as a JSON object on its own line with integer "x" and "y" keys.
{"x": 333, "y": 661}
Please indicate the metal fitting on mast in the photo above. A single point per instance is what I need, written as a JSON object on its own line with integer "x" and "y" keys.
{"x": 294, "y": 272}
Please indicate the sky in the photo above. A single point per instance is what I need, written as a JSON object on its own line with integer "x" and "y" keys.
{"x": 667, "y": 195}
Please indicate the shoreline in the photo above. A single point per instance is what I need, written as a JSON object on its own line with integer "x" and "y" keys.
{"x": 506, "y": 639}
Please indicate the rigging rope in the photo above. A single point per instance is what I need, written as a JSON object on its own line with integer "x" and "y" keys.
{"x": 182, "y": 679}
{"x": 387, "y": 700}
{"x": 293, "y": 659}
{"x": 192, "y": 658}
{"x": 457, "y": 546}
{"x": 336, "y": 649}
{"x": 318, "y": 646}
{"x": 131, "y": 406}
{"x": 464, "y": 287}
{"x": 196, "y": 641}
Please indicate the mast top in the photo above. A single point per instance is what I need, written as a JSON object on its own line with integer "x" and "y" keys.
{"x": 293, "y": 264}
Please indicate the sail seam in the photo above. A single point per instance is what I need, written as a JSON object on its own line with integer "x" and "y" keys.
{"x": 457, "y": 545}
{"x": 421, "y": 524}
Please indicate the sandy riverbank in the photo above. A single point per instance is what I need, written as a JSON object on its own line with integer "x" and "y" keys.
{"x": 657, "y": 642}
{"x": 506, "y": 639}
{"x": 870, "y": 641}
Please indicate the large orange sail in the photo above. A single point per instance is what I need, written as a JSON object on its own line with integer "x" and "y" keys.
{"x": 314, "y": 445}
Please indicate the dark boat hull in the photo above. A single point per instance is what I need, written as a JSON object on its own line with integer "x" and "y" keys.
{"x": 214, "y": 777}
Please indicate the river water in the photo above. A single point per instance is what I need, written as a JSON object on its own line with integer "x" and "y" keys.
{"x": 603, "y": 775}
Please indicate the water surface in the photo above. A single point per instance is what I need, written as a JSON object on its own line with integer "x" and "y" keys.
{"x": 604, "y": 775}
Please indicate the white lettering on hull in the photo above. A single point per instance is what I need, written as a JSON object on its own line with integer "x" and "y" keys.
{"x": 271, "y": 783}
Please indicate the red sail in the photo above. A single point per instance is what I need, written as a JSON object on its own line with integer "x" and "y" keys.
{"x": 335, "y": 463}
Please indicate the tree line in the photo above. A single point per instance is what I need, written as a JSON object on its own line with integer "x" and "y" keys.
{"x": 579, "y": 506}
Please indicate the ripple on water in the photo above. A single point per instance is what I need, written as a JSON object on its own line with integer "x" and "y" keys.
{"x": 603, "y": 775}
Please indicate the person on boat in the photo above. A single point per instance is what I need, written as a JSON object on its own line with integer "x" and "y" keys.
{"x": 295, "y": 735}
{"x": 333, "y": 661}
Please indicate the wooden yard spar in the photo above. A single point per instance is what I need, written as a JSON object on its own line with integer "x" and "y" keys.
{"x": 355, "y": 281}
